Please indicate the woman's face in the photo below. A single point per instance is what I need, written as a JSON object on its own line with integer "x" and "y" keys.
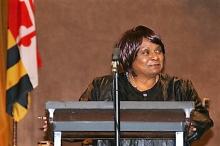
{"x": 149, "y": 60}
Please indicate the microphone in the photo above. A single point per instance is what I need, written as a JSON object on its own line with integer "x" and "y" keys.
{"x": 116, "y": 54}
{"x": 115, "y": 59}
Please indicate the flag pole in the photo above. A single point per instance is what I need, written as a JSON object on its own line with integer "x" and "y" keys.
{"x": 15, "y": 130}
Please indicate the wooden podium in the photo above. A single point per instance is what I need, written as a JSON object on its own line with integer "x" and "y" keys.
{"x": 139, "y": 119}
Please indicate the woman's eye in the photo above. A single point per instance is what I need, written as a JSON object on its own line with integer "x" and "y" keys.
{"x": 158, "y": 51}
{"x": 145, "y": 52}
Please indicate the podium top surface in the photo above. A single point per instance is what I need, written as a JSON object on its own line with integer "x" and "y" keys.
{"x": 185, "y": 105}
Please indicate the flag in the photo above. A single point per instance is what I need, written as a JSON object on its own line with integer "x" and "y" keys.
{"x": 22, "y": 60}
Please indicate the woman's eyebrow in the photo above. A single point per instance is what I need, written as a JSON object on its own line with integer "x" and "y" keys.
{"x": 144, "y": 48}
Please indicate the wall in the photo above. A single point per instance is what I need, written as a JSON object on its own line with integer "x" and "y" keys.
{"x": 76, "y": 38}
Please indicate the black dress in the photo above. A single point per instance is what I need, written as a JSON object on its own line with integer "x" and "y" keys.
{"x": 168, "y": 88}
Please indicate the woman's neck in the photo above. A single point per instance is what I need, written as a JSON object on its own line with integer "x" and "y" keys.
{"x": 142, "y": 83}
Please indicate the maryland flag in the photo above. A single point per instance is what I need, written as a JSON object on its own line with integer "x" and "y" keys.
{"x": 22, "y": 60}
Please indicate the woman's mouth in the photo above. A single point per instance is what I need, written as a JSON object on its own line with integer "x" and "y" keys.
{"x": 154, "y": 65}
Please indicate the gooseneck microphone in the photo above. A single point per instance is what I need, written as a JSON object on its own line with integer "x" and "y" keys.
{"x": 115, "y": 64}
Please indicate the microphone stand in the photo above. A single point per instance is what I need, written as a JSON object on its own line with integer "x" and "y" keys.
{"x": 115, "y": 63}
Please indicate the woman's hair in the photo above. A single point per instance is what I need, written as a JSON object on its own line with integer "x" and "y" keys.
{"x": 129, "y": 44}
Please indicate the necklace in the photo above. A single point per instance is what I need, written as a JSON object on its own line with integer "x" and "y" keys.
{"x": 134, "y": 84}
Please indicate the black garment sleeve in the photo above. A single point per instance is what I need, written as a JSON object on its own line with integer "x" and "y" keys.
{"x": 99, "y": 90}
{"x": 200, "y": 116}
{"x": 200, "y": 119}
{"x": 87, "y": 94}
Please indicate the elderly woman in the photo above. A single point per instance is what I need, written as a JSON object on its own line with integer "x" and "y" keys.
{"x": 142, "y": 57}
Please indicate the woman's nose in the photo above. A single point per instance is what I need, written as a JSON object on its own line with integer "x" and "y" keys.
{"x": 153, "y": 55}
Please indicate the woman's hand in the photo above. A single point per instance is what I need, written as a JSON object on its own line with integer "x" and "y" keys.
{"x": 45, "y": 123}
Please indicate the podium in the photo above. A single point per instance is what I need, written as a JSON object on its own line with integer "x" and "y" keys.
{"x": 139, "y": 119}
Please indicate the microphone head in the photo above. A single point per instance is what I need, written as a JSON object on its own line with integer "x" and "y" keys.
{"x": 116, "y": 54}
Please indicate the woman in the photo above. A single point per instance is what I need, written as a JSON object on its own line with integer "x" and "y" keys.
{"x": 142, "y": 57}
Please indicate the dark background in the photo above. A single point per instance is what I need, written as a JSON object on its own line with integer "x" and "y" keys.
{"x": 76, "y": 38}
